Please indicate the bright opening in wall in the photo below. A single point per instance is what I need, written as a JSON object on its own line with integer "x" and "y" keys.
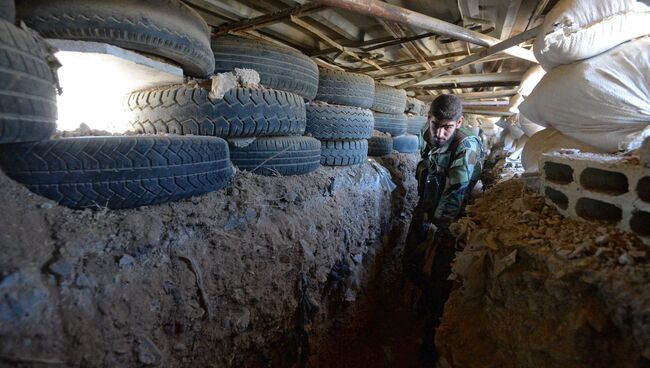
{"x": 95, "y": 77}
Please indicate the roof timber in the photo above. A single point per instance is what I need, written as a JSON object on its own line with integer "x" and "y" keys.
{"x": 267, "y": 19}
{"x": 425, "y": 22}
{"x": 500, "y": 47}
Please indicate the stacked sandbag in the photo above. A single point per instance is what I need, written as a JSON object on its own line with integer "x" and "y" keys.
{"x": 340, "y": 118}
{"x": 78, "y": 172}
{"x": 549, "y": 140}
{"x": 597, "y": 89}
{"x": 388, "y": 109}
{"x": 263, "y": 125}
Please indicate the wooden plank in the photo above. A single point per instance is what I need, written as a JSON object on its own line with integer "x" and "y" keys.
{"x": 421, "y": 89}
{"x": 402, "y": 63}
{"x": 500, "y": 47}
{"x": 472, "y": 78}
{"x": 331, "y": 42}
{"x": 403, "y": 72}
{"x": 408, "y": 17}
{"x": 475, "y": 95}
{"x": 267, "y": 19}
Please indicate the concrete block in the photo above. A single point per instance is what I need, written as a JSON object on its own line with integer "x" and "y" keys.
{"x": 588, "y": 186}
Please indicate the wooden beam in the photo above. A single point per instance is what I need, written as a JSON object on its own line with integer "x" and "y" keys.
{"x": 488, "y": 110}
{"x": 331, "y": 42}
{"x": 403, "y": 72}
{"x": 475, "y": 95}
{"x": 395, "y": 64}
{"x": 473, "y": 78}
{"x": 267, "y": 19}
{"x": 500, "y": 47}
{"x": 470, "y": 104}
{"x": 397, "y": 32}
{"x": 408, "y": 17}
{"x": 399, "y": 41}
{"x": 421, "y": 89}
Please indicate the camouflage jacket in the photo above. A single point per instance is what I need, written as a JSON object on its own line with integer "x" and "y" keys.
{"x": 446, "y": 178}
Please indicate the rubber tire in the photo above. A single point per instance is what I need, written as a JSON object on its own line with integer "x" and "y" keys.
{"x": 8, "y": 10}
{"x": 27, "y": 88}
{"x": 343, "y": 88}
{"x": 389, "y": 100}
{"x": 380, "y": 146}
{"x": 279, "y": 67}
{"x": 413, "y": 106}
{"x": 242, "y": 112}
{"x": 393, "y": 124}
{"x": 119, "y": 171}
{"x": 166, "y": 28}
{"x": 407, "y": 143}
{"x": 415, "y": 124}
{"x": 332, "y": 122}
{"x": 344, "y": 152}
{"x": 277, "y": 155}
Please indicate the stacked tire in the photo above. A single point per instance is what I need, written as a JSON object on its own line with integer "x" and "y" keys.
{"x": 416, "y": 119}
{"x": 340, "y": 117}
{"x": 263, "y": 124}
{"x": 114, "y": 171}
{"x": 388, "y": 111}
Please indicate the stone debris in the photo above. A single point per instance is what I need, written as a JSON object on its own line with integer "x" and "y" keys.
{"x": 533, "y": 284}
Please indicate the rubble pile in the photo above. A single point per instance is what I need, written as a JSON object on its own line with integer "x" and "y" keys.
{"x": 538, "y": 290}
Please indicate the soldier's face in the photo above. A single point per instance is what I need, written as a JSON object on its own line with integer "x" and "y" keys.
{"x": 443, "y": 131}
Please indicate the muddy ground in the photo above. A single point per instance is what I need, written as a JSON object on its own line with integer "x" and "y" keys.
{"x": 247, "y": 276}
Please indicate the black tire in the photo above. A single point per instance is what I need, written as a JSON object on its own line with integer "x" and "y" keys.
{"x": 330, "y": 122}
{"x": 242, "y": 112}
{"x": 413, "y": 106}
{"x": 279, "y": 67}
{"x": 380, "y": 146}
{"x": 277, "y": 155}
{"x": 27, "y": 88}
{"x": 344, "y": 152}
{"x": 343, "y": 88}
{"x": 389, "y": 100}
{"x": 415, "y": 124}
{"x": 407, "y": 143}
{"x": 8, "y": 10}
{"x": 425, "y": 109}
{"x": 393, "y": 124}
{"x": 166, "y": 28}
{"x": 119, "y": 172}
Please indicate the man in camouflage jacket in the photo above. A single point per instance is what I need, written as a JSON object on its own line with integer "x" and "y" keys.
{"x": 450, "y": 166}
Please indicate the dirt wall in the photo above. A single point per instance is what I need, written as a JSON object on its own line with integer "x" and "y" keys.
{"x": 224, "y": 279}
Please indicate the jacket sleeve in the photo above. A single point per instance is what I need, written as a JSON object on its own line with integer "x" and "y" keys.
{"x": 457, "y": 182}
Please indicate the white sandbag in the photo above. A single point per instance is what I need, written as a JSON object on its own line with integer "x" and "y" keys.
{"x": 530, "y": 79}
{"x": 579, "y": 29}
{"x": 515, "y": 154}
{"x": 603, "y": 101}
{"x": 549, "y": 140}
{"x": 514, "y": 102}
{"x": 528, "y": 127}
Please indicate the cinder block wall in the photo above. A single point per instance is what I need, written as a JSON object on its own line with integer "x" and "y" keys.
{"x": 608, "y": 188}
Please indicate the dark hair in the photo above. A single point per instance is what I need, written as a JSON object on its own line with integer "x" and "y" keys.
{"x": 446, "y": 108}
